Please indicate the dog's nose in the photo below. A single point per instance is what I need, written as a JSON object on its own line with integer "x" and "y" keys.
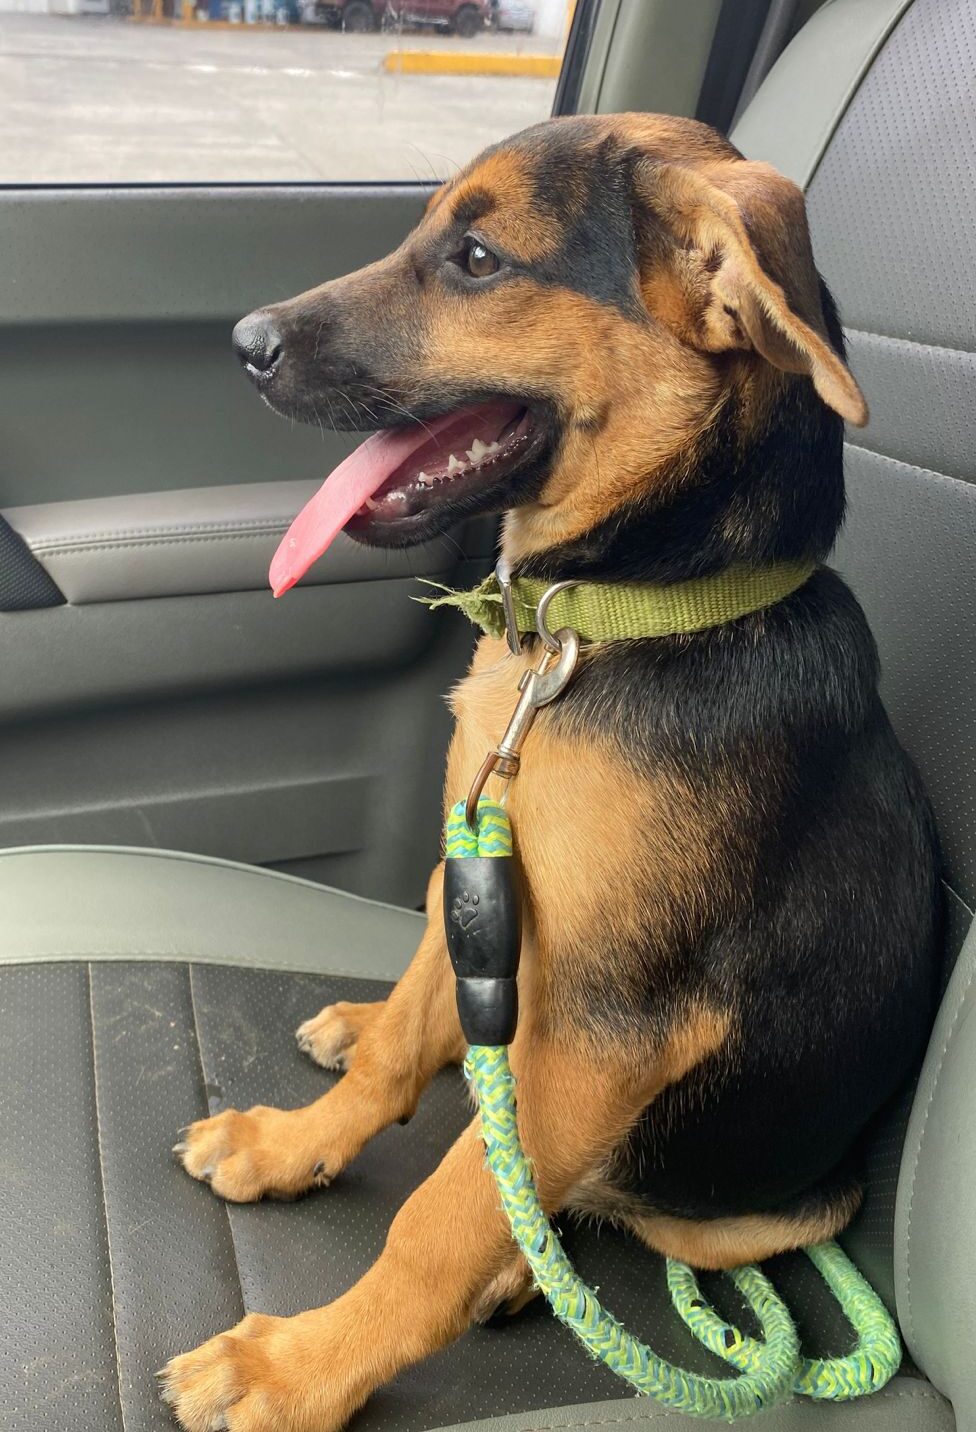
{"x": 257, "y": 342}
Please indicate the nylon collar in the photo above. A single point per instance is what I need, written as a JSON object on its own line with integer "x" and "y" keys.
{"x": 619, "y": 611}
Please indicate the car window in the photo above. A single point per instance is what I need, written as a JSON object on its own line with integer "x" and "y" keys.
{"x": 259, "y": 91}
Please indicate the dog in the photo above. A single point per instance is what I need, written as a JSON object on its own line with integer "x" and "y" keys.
{"x": 728, "y": 864}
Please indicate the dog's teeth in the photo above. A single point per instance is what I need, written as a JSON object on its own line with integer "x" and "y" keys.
{"x": 371, "y": 504}
{"x": 477, "y": 450}
{"x": 454, "y": 464}
{"x": 424, "y": 480}
{"x": 494, "y": 447}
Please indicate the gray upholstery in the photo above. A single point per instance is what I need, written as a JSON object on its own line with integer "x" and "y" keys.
{"x": 24, "y": 584}
{"x": 791, "y": 120}
{"x": 186, "y": 543}
{"x": 104, "y": 654}
{"x": 112, "y": 1260}
{"x": 935, "y": 1239}
{"x": 892, "y": 207}
{"x": 905, "y": 1405}
{"x": 116, "y": 1051}
{"x": 893, "y": 214}
{"x": 110, "y": 903}
{"x": 908, "y": 552}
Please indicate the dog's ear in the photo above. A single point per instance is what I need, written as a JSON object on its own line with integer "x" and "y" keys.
{"x": 743, "y": 261}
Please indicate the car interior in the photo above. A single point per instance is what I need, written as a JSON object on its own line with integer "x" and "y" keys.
{"x": 205, "y": 792}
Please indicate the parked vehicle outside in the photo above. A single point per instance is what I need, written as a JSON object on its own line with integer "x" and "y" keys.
{"x": 457, "y": 17}
{"x": 513, "y": 15}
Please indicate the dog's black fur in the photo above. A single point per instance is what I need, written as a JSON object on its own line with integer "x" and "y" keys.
{"x": 829, "y": 960}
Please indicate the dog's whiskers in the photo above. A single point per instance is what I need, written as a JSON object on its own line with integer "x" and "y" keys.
{"x": 388, "y": 398}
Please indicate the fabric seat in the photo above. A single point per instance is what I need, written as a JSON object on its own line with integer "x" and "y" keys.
{"x": 140, "y": 989}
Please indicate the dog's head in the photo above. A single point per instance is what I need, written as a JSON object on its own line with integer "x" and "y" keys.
{"x": 580, "y": 320}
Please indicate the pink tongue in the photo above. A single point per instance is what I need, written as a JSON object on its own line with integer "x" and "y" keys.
{"x": 341, "y": 495}
{"x": 364, "y": 472}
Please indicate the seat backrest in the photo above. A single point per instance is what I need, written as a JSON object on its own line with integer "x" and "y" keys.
{"x": 873, "y": 109}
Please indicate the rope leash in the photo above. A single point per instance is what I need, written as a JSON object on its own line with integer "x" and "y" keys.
{"x": 481, "y": 918}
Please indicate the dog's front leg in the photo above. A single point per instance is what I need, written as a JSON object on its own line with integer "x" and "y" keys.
{"x": 402, "y": 1042}
{"x": 448, "y": 1242}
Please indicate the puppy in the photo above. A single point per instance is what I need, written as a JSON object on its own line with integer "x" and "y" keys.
{"x": 614, "y": 333}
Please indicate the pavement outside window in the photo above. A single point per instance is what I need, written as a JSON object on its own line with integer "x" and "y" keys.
{"x": 106, "y": 100}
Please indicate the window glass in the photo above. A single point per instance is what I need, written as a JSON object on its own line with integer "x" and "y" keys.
{"x": 181, "y": 91}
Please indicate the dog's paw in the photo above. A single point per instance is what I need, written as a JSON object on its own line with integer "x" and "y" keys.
{"x": 505, "y": 1296}
{"x": 247, "y": 1156}
{"x": 330, "y": 1037}
{"x": 265, "y": 1375}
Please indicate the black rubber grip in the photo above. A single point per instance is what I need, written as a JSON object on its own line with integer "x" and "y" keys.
{"x": 488, "y": 1010}
{"x": 484, "y": 936}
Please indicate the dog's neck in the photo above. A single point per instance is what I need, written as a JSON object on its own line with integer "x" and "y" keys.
{"x": 776, "y": 497}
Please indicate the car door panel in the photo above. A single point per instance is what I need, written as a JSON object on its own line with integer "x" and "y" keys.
{"x": 188, "y": 542}
{"x": 117, "y": 308}
{"x": 167, "y": 699}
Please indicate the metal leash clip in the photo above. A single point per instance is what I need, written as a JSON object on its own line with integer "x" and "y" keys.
{"x": 538, "y": 687}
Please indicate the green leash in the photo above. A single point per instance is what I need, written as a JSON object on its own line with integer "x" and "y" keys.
{"x": 481, "y": 919}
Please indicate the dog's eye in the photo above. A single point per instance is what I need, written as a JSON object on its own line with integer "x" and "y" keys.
{"x": 477, "y": 259}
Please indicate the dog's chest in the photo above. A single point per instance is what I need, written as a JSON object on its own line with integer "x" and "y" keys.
{"x": 601, "y": 844}
{"x": 484, "y": 701}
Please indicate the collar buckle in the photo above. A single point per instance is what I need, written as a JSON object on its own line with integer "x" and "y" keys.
{"x": 503, "y": 576}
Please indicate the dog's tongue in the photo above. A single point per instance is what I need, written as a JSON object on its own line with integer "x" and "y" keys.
{"x": 340, "y": 497}
{"x": 365, "y": 471}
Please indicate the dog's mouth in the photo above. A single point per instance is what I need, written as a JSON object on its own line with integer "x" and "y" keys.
{"x": 398, "y": 475}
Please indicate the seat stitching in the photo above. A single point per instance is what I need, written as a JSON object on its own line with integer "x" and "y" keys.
{"x": 74, "y": 548}
{"x": 210, "y": 861}
{"x": 926, "y": 1394}
{"x": 203, "y": 1083}
{"x": 77, "y": 956}
{"x": 101, "y": 1170}
{"x": 951, "y": 890}
{"x": 909, "y": 342}
{"x": 834, "y": 120}
{"x": 912, "y": 466}
{"x": 910, "y": 1321}
{"x": 235, "y": 526}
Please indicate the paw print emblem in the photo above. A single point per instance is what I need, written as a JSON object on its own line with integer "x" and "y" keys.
{"x": 464, "y": 909}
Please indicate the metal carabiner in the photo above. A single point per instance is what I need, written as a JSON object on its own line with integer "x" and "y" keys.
{"x": 503, "y": 576}
{"x": 550, "y": 641}
{"x": 537, "y": 688}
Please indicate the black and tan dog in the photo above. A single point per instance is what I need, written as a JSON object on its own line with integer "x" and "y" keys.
{"x": 613, "y": 331}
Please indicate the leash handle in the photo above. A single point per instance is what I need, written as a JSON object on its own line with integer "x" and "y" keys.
{"x": 770, "y": 1376}
{"x": 481, "y": 916}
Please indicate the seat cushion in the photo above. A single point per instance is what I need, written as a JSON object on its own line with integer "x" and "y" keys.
{"x": 905, "y": 1405}
{"x": 112, "y": 1259}
{"x": 109, "y": 903}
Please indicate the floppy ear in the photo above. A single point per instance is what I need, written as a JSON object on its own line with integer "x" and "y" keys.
{"x": 747, "y": 269}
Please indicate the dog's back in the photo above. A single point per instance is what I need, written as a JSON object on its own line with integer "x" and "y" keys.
{"x": 818, "y": 931}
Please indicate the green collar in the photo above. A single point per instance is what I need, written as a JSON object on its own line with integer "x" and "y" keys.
{"x": 615, "y": 611}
